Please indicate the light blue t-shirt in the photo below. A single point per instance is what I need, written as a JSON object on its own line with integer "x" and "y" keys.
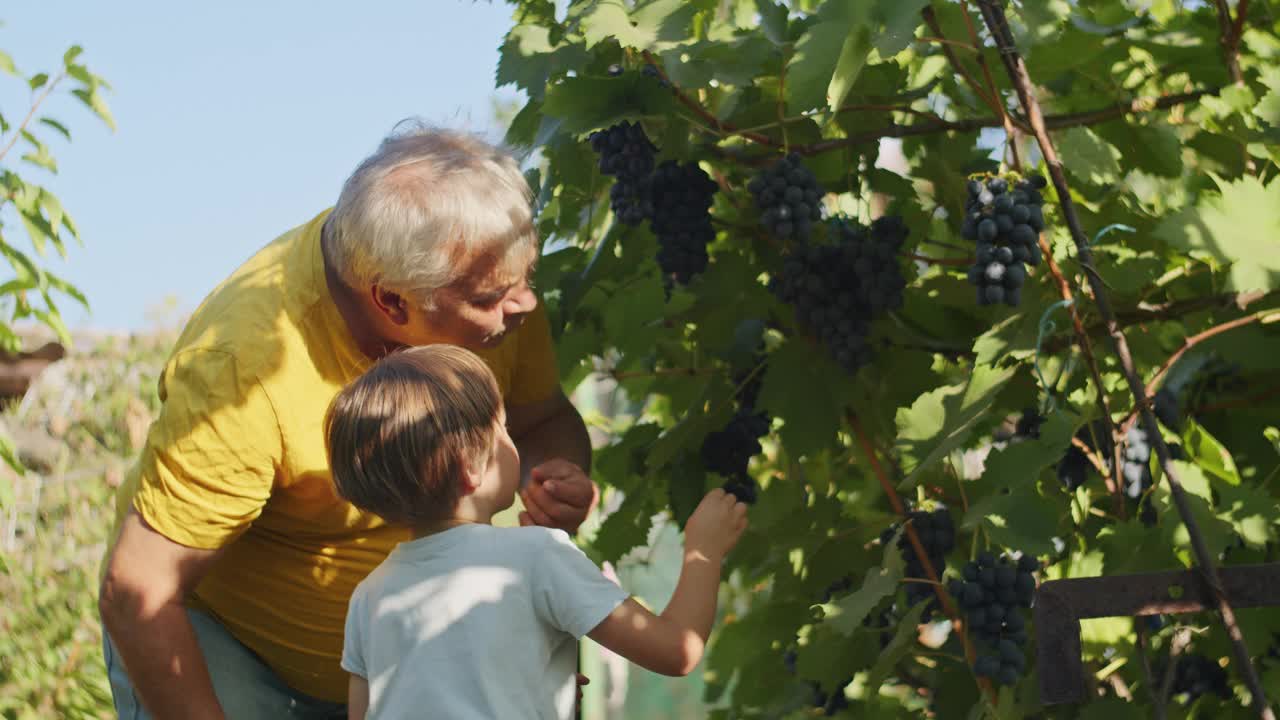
{"x": 476, "y": 622}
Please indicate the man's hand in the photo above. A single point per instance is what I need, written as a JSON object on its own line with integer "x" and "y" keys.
{"x": 559, "y": 495}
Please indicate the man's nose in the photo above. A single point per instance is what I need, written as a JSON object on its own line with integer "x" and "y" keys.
{"x": 520, "y": 302}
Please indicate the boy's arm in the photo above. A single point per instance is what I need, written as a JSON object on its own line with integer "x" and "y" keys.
{"x": 670, "y": 643}
{"x": 357, "y": 697}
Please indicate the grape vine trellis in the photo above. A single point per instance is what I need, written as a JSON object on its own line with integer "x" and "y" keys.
{"x": 814, "y": 341}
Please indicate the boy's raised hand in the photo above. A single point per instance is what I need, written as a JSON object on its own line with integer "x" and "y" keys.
{"x": 715, "y": 525}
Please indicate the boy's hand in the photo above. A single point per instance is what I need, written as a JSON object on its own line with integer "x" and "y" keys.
{"x": 715, "y": 526}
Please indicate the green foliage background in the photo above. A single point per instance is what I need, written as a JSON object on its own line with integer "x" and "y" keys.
{"x": 1167, "y": 116}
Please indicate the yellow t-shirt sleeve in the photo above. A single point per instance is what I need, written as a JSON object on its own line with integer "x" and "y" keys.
{"x": 536, "y": 376}
{"x": 210, "y": 460}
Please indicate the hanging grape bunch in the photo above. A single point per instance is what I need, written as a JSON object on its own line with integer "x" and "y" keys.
{"x": 838, "y": 289}
{"x": 993, "y": 594}
{"x": 1136, "y": 471}
{"x": 937, "y": 535}
{"x": 1006, "y": 224}
{"x": 1074, "y": 467}
{"x": 1195, "y": 675}
{"x": 789, "y": 198}
{"x": 626, "y": 154}
{"x": 681, "y": 196}
{"x": 728, "y": 451}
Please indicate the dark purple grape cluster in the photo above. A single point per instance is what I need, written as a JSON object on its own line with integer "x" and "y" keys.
{"x": 728, "y": 451}
{"x": 681, "y": 196}
{"x": 1195, "y": 675}
{"x": 1136, "y": 471}
{"x": 829, "y": 703}
{"x": 937, "y": 534}
{"x": 652, "y": 72}
{"x": 1028, "y": 424}
{"x": 1005, "y": 222}
{"x": 840, "y": 288}
{"x": 1074, "y": 467}
{"x": 994, "y": 594}
{"x": 789, "y": 198}
{"x": 626, "y": 154}
{"x": 1166, "y": 407}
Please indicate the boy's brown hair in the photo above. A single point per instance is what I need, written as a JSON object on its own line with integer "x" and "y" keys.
{"x": 401, "y": 436}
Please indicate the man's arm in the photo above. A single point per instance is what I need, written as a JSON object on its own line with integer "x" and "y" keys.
{"x": 555, "y": 457}
{"x": 552, "y": 428}
{"x": 141, "y": 600}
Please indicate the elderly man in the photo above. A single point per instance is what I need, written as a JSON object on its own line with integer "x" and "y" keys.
{"x": 226, "y": 587}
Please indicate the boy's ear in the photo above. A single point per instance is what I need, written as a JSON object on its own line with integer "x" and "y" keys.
{"x": 470, "y": 480}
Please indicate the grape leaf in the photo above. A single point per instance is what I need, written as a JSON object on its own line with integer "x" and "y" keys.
{"x": 941, "y": 420}
{"x": 1014, "y": 336}
{"x": 1153, "y": 148}
{"x": 686, "y": 485}
{"x": 902, "y": 643}
{"x": 1253, "y": 512}
{"x": 773, "y": 21}
{"x": 603, "y": 19}
{"x": 528, "y": 58}
{"x": 1021, "y": 519}
{"x": 845, "y": 614}
{"x": 1268, "y": 107}
{"x": 1131, "y": 547}
{"x": 1022, "y": 462}
{"x": 1093, "y": 159}
{"x": 1236, "y": 226}
{"x": 624, "y": 528}
{"x": 1211, "y": 455}
{"x": 829, "y": 56}
{"x": 670, "y": 22}
{"x": 805, "y": 389}
{"x": 588, "y": 103}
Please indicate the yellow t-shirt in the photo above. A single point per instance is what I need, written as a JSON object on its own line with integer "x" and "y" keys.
{"x": 236, "y": 458}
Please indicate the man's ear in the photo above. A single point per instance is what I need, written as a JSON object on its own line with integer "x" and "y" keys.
{"x": 391, "y": 304}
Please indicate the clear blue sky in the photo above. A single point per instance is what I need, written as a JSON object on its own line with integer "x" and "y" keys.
{"x": 236, "y": 121}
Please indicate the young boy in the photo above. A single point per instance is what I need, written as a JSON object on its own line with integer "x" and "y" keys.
{"x": 468, "y": 620}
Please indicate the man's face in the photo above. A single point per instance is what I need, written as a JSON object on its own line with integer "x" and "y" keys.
{"x": 489, "y": 299}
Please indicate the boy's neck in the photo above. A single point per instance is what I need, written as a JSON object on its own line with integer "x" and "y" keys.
{"x": 466, "y": 514}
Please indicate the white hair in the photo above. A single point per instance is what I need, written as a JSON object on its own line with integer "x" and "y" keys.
{"x": 422, "y": 202}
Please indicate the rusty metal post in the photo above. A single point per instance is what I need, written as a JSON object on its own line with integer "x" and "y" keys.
{"x": 1061, "y": 604}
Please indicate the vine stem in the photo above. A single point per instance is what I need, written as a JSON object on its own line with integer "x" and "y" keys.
{"x": 1246, "y": 401}
{"x": 1229, "y": 36}
{"x": 931, "y": 20}
{"x": 22, "y": 126}
{"x": 660, "y": 372}
{"x": 697, "y": 108}
{"x": 1091, "y": 362}
{"x": 1001, "y": 119}
{"x": 1054, "y": 122}
{"x": 1011, "y": 138}
{"x": 945, "y": 599}
{"x": 958, "y": 262}
{"x": 1175, "y": 310}
{"x": 1266, "y": 316}
{"x": 996, "y": 22}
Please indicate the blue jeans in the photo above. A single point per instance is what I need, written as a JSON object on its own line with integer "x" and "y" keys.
{"x": 246, "y": 688}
